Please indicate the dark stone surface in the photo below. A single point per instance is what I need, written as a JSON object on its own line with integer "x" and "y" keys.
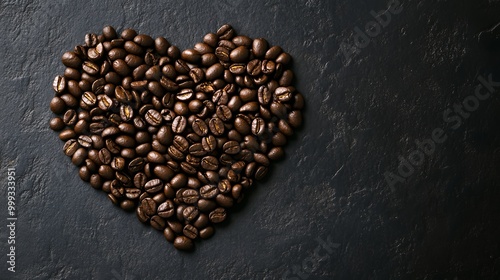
{"x": 362, "y": 114}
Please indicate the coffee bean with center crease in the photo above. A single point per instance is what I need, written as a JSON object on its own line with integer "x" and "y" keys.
{"x": 153, "y": 186}
{"x": 218, "y": 215}
{"x": 153, "y": 117}
{"x": 148, "y": 206}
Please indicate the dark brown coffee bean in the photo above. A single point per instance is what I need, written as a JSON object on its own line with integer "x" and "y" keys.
{"x": 67, "y": 134}
{"x": 125, "y": 141}
{"x": 216, "y": 126}
{"x": 295, "y": 118}
{"x": 181, "y": 143}
{"x": 59, "y": 84}
{"x": 163, "y": 172}
{"x": 258, "y": 126}
{"x": 191, "y": 56}
{"x": 218, "y": 215}
{"x": 209, "y": 191}
{"x": 225, "y": 32}
{"x": 261, "y": 172}
{"x": 183, "y": 243}
{"x": 190, "y": 213}
{"x": 85, "y": 141}
{"x": 148, "y": 205}
{"x": 179, "y": 124}
{"x": 215, "y": 71}
{"x": 189, "y": 196}
{"x": 190, "y": 231}
{"x": 200, "y": 127}
{"x": 153, "y": 186}
{"x": 259, "y": 47}
{"x": 70, "y": 59}
{"x": 157, "y": 222}
{"x": 209, "y": 143}
{"x": 239, "y": 54}
{"x": 224, "y": 201}
{"x": 70, "y": 147}
{"x": 209, "y": 163}
{"x": 153, "y": 117}
{"x": 207, "y": 232}
{"x": 231, "y": 147}
{"x": 166, "y": 209}
{"x": 79, "y": 156}
{"x": 57, "y": 124}
{"x": 57, "y": 105}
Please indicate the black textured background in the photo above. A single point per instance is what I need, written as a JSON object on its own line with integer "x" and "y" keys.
{"x": 362, "y": 114}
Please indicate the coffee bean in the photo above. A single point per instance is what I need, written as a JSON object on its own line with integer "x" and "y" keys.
{"x": 57, "y": 124}
{"x": 200, "y": 127}
{"x": 258, "y": 126}
{"x": 189, "y": 196}
{"x": 190, "y": 213}
{"x": 178, "y": 181}
{"x": 209, "y": 163}
{"x": 70, "y": 59}
{"x": 259, "y": 47}
{"x": 216, "y": 126}
{"x": 163, "y": 172}
{"x": 153, "y": 186}
{"x": 179, "y": 124}
{"x": 218, "y": 215}
{"x": 231, "y": 147}
{"x": 57, "y": 105}
{"x": 79, "y": 156}
{"x": 183, "y": 243}
{"x": 148, "y": 206}
{"x": 190, "y": 231}
{"x": 153, "y": 117}
{"x": 207, "y": 232}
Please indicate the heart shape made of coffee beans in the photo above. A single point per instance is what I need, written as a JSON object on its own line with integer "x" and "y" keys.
{"x": 177, "y": 137}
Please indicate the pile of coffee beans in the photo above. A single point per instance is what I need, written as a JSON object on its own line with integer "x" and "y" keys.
{"x": 177, "y": 137}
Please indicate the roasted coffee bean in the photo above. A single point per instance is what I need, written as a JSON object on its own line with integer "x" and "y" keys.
{"x": 57, "y": 124}
{"x": 190, "y": 213}
{"x": 157, "y": 222}
{"x": 207, "y": 232}
{"x": 70, "y": 147}
{"x": 79, "y": 156}
{"x": 85, "y": 141}
{"x": 218, "y": 215}
{"x": 200, "y": 127}
{"x": 148, "y": 205}
{"x": 163, "y": 172}
{"x": 209, "y": 191}
{"x": 209, "y": 163}
{"x": 189, "y": 196}
{"x": 70, "y": 59}
{"x": 179, "y": 124}
{"x": 112, "y": 146}
{"x": 118, "y": 163}
{"x": 231, "y": 147}
{"x": 190, "y": 231}
{"x": 153, "y": 117}
{"x": 153, "y": 186}
{"x": 183, "y": 243}
{"x": 258, "y": 126}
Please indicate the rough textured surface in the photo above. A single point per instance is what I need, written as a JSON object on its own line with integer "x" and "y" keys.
{"x": 362, "y": 114}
